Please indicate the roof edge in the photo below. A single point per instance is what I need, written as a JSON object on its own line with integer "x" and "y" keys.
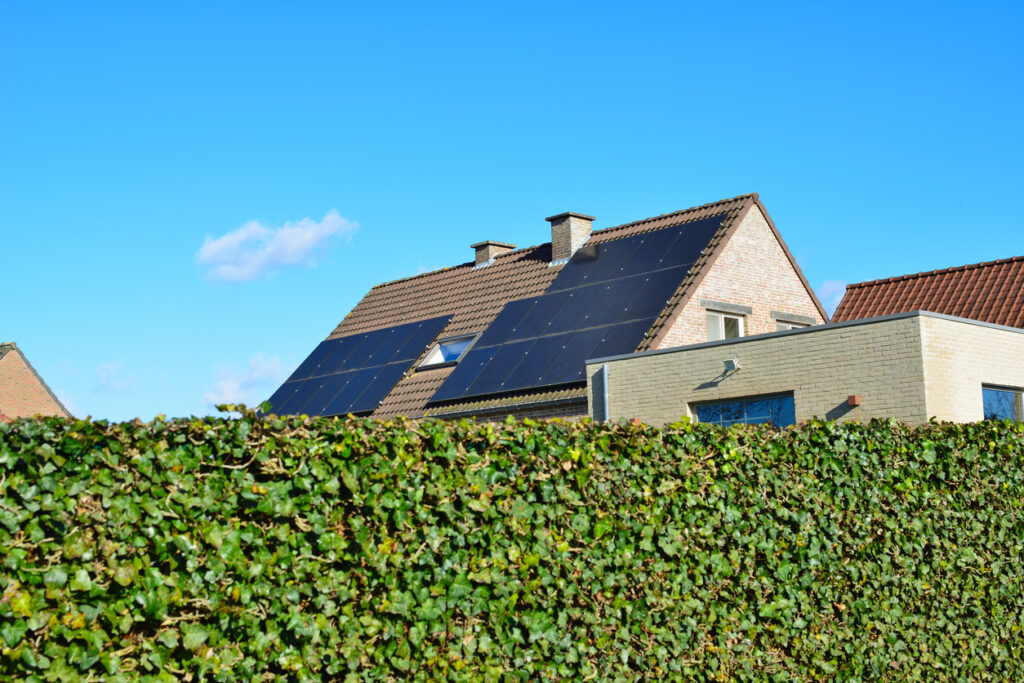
{"x": 792, "y": 259}
{"x": 811, "y": 329}
{"x": 11, "y": 346}
{"x": 705, "y": 268}
{"x": 938, "y": 271}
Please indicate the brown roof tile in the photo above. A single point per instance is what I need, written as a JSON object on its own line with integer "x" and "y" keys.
{"x": 474, "y": 297}
{"x": 992, "y": 291}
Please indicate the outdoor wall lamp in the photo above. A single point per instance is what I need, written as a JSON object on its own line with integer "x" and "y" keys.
{"x": 731, "y": 364}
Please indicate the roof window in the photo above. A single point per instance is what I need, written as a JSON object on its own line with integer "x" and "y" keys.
{"x": 448, "y": 351}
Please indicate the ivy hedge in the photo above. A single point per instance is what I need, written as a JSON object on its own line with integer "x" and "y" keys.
{"x": 330, "y": 549}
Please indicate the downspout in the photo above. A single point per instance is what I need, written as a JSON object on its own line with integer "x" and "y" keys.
{"x": 605, "y": 409}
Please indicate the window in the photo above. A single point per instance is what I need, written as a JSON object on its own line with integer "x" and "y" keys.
{"x": 781, "y": 325}
{"x": 448, "y": 351}
{"x": 778, "y": 410}
{"x": 724, "y": 326}
{"x": 1002, "y": 404}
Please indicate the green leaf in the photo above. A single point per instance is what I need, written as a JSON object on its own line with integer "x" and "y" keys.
{"x": 193, "y": 636}
{"x": 603, "y": 526}
{"x": 56, "y": 577}
{"x": 81, "y": 582}
{"x": 13, "y": 631}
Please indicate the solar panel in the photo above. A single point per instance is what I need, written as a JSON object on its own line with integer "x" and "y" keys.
{"x": 309, "y": 366}
{"x": 284, "y": 392}
{"x": 382, "y": 384}
{"x": 465, "y": 373}
{"x": 322, "y": 391}
{"x": 623, "y": 338}
{"x": 601, "y": 303}
{"x": 570, "y": 364}
{"x": 354, "y": 373}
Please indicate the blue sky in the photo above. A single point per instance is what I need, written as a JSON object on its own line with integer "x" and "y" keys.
{"x": 193, "y": 195}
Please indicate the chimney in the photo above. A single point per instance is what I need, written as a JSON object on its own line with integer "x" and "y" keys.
{"x": 488, "y": 249}
{"x": 568, "y": 233}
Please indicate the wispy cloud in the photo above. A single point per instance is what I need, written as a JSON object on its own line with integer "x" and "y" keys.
{"x": 249, "y": 386}
{"x": 255, "y": 250}
{"x": 830, "y": 294}
{"x": 111, "y": 379}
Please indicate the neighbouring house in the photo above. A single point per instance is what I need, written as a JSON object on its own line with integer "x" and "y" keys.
{"x": 992, "y": 292}
{"x": 912, "y": 366}
{"x": 510, "y": 331}
{"x": 945, "y": 344}
{"x": 23, "y": 393}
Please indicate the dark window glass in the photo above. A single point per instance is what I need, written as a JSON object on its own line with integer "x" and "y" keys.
{"x": 1001, "y": 404}
{"x": 778, "y": 410}
{"x": 709, "y": 412}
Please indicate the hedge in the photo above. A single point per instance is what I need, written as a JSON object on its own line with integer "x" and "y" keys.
{"x": 261, "y": 548}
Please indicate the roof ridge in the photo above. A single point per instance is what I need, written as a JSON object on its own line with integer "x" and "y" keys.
{"x": 938, "y": 271}
{"x": 601, "y": 231}
{"x": 670, "y": 214}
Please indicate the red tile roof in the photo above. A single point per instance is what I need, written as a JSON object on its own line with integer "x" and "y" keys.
{"x": 992, "y": 292}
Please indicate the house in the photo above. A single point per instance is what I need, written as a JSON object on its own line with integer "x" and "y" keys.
{"x": 510, "y": 331}
{"x": 23, "y": 393}
{"x": 945, "y": 344}
{"x": 992, "y": 292}
{"x": 912, "y": 366}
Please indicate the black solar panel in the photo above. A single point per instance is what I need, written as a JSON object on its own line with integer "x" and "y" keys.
{"x": 353, "y": 374}
{"x": 602, "y": 303}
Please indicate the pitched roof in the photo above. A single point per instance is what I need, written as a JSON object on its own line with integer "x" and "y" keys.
{"x": 474, "y": 296}
{"x": 992, "y": 291}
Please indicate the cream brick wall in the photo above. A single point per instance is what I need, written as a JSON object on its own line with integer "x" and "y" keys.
{"x": 752, "y": 270}
{"x": 567, "y": 235}
{"x": 21, "y": 394}
{"x": 880, "y": 361}
{"x": 959, "y": 358}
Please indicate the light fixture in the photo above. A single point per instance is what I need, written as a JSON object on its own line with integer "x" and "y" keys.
{"x": 731, "y": 364}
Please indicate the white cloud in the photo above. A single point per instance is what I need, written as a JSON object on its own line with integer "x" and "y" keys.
{"x": 110, "y": 379}
{"x": 249, "y": 386}
{"x": 830, "y": 294}
{"x": 254, "y": 250}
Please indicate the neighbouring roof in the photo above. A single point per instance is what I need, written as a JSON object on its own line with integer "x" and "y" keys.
{"x": 992, "y": 292}
{"x": 8, "y": 347}
{"x": 474, "y": 296}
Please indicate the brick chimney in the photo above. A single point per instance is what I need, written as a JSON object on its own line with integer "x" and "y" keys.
{"x": 488, "y": 249}
{"x": 568, "y": 233}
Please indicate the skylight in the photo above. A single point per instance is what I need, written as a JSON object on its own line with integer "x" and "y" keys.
{"x": 448, "y": 351}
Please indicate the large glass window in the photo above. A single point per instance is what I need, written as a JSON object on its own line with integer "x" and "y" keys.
{"x": 1001, "y": 404}
{"x": 778, "y": 410}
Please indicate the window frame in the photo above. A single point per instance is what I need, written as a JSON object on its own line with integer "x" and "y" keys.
{"x": 426, "y": 363}
{"x": 720, "y": 317}
{"x": 1018, "y": 403}
{"x": 786, "y": 325}
{"x": 742, "y": 400}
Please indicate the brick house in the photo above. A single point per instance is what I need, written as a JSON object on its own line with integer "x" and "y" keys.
{"x": 510, "y": 331}
{"x": 945, "y": 344}
{"x": 23, "y": 393}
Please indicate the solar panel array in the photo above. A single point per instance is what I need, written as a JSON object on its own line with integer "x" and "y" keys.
{"x": 353, "y": 374}
{"x": 602, "y": 303}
